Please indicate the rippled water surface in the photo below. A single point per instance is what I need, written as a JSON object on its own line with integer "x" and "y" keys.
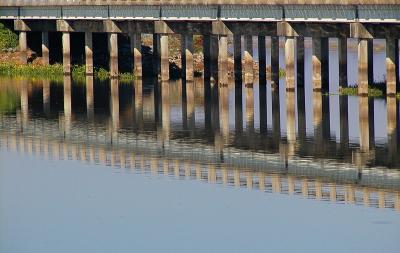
{"x": 192, "y": 167}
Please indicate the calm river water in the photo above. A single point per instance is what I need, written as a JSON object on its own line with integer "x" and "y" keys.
{"x": 175, "y": 167}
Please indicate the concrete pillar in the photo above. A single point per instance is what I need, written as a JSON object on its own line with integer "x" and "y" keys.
{"x": 364, "y": 123}
{"x": 113, "y": 49}
{"x": 136, "y": 50}
{"x": 187, "y": 57}
{"x": 89, "y": 53}
{"x": 300, "y": 61}
{"x": 156, "y": 54}
{"x": 320, "y": 63}
{"x": 89, "y": 97}
{"x": 363, "y": 67}
{"x": 207, "y": 56}
{"x": 45, "y": 48}
{"x": 370, "y": 61}
{"x": 248, "y": 60}
{"x": 275, "y": 61}
{"x": 164, "y": 57}
{"x": 214, "y": 53}
{"x": 237, "y": 52}
{"x": 261, "y": 60}
{"x": 343, "y": 62}
{"x": 223, "y": 60}
{"x": 289, "y": 61}
{"x": 23, "y": 47}
{"x": 392, "y": 66}
{"x": 66, "y": 45}
{"x": 46, "y": 96}
{"x": 291, "y": 116}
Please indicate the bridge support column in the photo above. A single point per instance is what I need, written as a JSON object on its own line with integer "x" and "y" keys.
{"x": 289, "y": 61}
{"x": 275, "y": 61}
{"x": 187, "y": 57}
{"x": 89, "y": 53}
{"x": 370, "y": 61}
{"x": 45, "y": 48}
{"x": 206, "y": 53}
{"x": 23, "y": 46}
{"x": 363, "y": 67}
{"x": 156, "y": 54}
{"x": 320, "y": 62}
{"x": 164, "y": 57}
{"x": 392, "y": 66}
{"x": 261, "y": 60}
{"x": 136, "y": 50}
{"x": 300, "y": 61}
{"x": 223, "y": 60}
{"x": 214, "y": 53}
{"x": 237, "y": 52}
{"x": 66, "y": 45}
{"x": 248, "y": 60}
{"x": 113, "y": 48}
{"x": 343, "y": 62}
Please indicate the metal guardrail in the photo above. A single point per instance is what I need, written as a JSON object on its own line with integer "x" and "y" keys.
{"x": 252, "y": 12}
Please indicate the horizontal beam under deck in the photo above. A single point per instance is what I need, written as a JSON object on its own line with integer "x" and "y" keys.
{"x": 239, "y": 12}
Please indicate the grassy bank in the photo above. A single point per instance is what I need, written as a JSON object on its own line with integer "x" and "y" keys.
{"x": 55, "y": 72}
{"x": 8, "y": 38}
{"x": 374, "y": 90}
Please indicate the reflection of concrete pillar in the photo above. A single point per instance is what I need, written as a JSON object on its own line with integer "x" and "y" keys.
{"x": 115, "y": 103}
{"x": 249, "y": 108}
{"x": 392, "y": 56}
{"x": 300, "y": 61}
{"x": 89, "y": 97}
{"x": 238, "y": 109}
{"x": 45, "y": 48}
{"x": 291, "y": 116}
{"x": 66, "y": 45}
{"x": 224, "y": 111}
{"x": 190, "y": 100}
{"x": 165, "y": 110}
{"x": 223, "y": 60}
{"x": 164, "y": 57}
{"x": 24, "y": 102}
{"x": 23, "y": 47}
{"x": 391, "y": 104}
{"x": 89, "y": 53}
{"x": 276, "y": 125}
{"x": 364, "y": 123}
{"x": 248, "y": 60}
{"x": 139, "y": 102}
{"x": 317, "y": 118}
{"x": 275, "y": 61}
{"x": 363, "y": 67}
{"x": 136, "y": 51}
{"x": 261, "y": 60}
{"x": 301, "y": 109}
{"x": 113, "y": 48}
{"x": 67, "y": 104}
{"x": 320, "y": 64}
{"x": 187, "y": 57}
{"x": 343, "y": 62}
{"x": 237, "y": 51}
{"x": 344, "y": 121}
{"x": 289, "y": 61}
{"x": 46, "y": 96}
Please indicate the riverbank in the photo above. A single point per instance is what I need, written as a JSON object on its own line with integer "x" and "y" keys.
{"x": 375, "y": 90}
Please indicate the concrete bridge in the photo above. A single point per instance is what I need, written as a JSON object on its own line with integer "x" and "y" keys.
{"x": 292, "y": 20}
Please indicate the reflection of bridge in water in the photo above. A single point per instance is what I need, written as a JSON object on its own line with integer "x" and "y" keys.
{"x": 267, "y": 160}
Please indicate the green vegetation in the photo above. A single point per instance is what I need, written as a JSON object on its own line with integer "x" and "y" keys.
{"x": 353, "y": 91}
{"x": 55, "y": 72}
{"x": 8, "y": 39}
{"x": 9, "y": 101}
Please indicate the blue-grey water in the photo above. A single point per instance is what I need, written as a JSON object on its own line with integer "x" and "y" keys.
{"x": 172, "y": 167}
